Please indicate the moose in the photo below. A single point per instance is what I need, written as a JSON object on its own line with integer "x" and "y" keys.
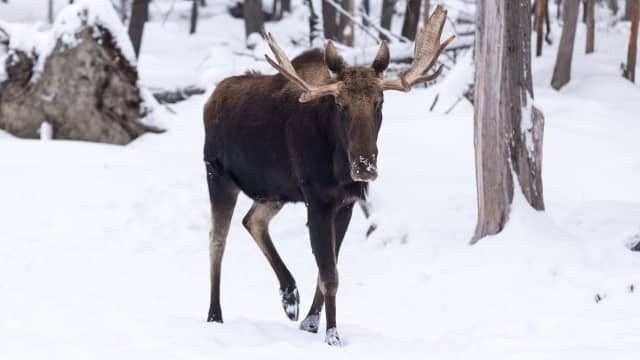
{"x": 306, "y": 134}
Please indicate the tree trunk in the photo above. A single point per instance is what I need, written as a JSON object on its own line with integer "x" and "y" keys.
{"x": 591, "y": 26}
{"x": 541, "y": 7}
{"x": 286, "y": 5}
{"x": 562, "y": 70}
{"x": 411, "y": 16}
{"x": 630, "y": 67}
{"x": 329, "y": 22}
{"x": 613, "y": 5}
{"x": 194, "y": 17}
{"x": 253, "y": 17}
{"x": 346, "y": 25}
{"x": 426, "y": 12}
{"x": 508, "y": 128}
{"x": 628, "y": 10}
{"x": 50, "y": 11}
{"x": 314, "y": 33}
{"x": 388, "y": 9}
{"x": 584, "y": 11}
{"x": 123, "y": 10}
{"x": 139, "y": 15}
{"x": 366, "y": 8}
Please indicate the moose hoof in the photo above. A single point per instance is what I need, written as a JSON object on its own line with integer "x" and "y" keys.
{"x": 290, "y": 302}
{"x": 332, "y": 337}
{"x": 310, "y": 323}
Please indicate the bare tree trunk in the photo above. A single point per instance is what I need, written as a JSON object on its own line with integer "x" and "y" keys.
{"x": 388, "y": 9}
{"x": 346, "y": 25}
{"x": 591, "y": 26}
{"x": 329, "y": 22}
{"x": 286, "y": 5}
{"x": 562, "y": 70}
{"x": 411, "y": 16}
{"x": 508, "y": 128}
{"x": 123, "y": 10}
{"x": 628, "y": 10}
{"x": 253, "y": 17}
{"x": 194, "y": 17}
{"x": 203, "y": 3}
{"x": 426, "y": 11}
{"x": 630, "y": 67}
{"x": 139, "y": 15}
{"x": 50, "y": 11}
{"x": 314, "y": 32}
{"x": 584, "y": 11}
{"x": 613, "y": 5}
{"x": 366, "y": 8}
{"x": 541, "y": 7}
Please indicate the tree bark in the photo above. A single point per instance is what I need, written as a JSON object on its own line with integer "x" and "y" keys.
{"x": 330, "y": 22}
{"x": 194, "y": 17}
{"x": 562, "y": 69}
{"x": 613, "y": 5}
{"x": 346, "y": 25}
{"x": 139, "y": 16}
{"x": 632, "y": 53}
{"x": 426, "y": 11}
{"x": 591, "y": 26}
{"x": 628, "y": 10}
{"x": 388, "y": 9}
{"x": 253, "y": 17}
{"x": 508, "y": 128}
{"x": 286, "y": 5}
{"x": 314, "y": 33}
{"x": 541, "y": 7}
{"x": 411, "y": 16}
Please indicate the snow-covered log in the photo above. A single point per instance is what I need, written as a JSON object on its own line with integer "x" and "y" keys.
{"x": 79, "y": 77}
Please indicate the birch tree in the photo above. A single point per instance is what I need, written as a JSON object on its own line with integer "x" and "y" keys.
{"x": 508, "y": 128}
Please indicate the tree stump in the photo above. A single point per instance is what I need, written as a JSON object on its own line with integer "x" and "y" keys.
{"x": 85, "y": 91}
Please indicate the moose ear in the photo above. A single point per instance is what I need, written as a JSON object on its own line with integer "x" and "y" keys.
{"x": 334, "y": 61}
{"x": 381, "y": 61}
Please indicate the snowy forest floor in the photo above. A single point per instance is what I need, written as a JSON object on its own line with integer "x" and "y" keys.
{"x": 104, "y": 249}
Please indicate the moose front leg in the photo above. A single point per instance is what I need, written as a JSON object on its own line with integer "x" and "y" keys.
{"x": 323, "y": 242}
{"x": 341, "y": 221}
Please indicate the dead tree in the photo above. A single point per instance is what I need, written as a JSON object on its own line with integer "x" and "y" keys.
{"x": 139, "y": 16}
{"x": 591, "y": 26}
{"x": 562, "y": 69}
{"x": 630, "y": 67}
{"x": 346, "y": 24}
{"x": 426, "y": 10}
{"x": 541, "y": 14}
{"x": 508, "y": 127}
{"x": 253, "y": 17}
{"x": 388, "y": 9}
{"x": 330, "y": 22}
{"x": 194, "y": 17}
{"x": 411, "y": 17}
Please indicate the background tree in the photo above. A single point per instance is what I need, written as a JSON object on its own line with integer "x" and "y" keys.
{"x": 541, "y": 13}
{"x": 253, "y": 17}
{"x": 346, "y": 24}
{"x": 50, "y": 11}
{"x": 562, "y": 69}
{"x": 613, "y": 5}
{"x": 632, "y": 53}
{"x": 411, "y": 16}
{"x": 194, "y": 17}
{"x": 330, "y": 22}
{"x": 426, "y": 11}
{"x": 591, "y": 26}
{"x": 139, "y": 15}
{"x": 386, "y": 17}
{"x": 628, "y": 10}
{"x": 508, "y": 129}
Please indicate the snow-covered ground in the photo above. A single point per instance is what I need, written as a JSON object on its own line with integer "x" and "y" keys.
{"x": 104, "y": 249}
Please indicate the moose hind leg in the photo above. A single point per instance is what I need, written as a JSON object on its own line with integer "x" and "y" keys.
{"x": 257, "y": 223}
{"x": 223, "y": 195}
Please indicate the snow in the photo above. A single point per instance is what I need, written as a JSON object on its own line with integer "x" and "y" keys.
{"x": 104, "y": 249}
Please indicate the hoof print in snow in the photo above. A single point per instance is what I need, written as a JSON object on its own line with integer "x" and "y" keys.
{"x": 310, "y": 323}
{"x": 290, "y": 302}
{"x": 333, "y": 338}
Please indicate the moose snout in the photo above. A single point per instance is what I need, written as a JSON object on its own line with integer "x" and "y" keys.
{"x": 364, "y": 168}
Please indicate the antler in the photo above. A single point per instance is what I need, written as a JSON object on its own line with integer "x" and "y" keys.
{"x": 428, "y": 48}
{"x": 285, "y": 68}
